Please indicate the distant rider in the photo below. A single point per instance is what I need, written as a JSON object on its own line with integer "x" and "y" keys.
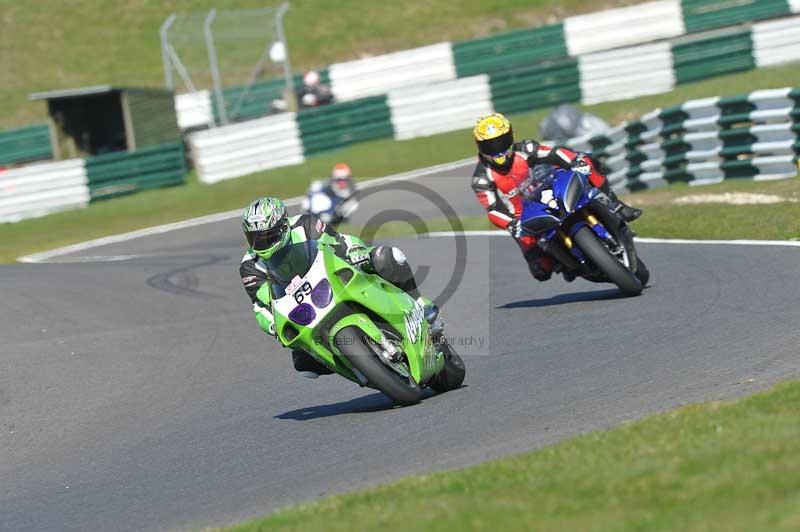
{"x": 506, "y": 168}
{"x": 332, "y": 201}
{"x": 270, "y": 232}
{"x": 313, "y": 92}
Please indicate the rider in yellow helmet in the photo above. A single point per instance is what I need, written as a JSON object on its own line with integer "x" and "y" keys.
{"x": 505, "y": 168}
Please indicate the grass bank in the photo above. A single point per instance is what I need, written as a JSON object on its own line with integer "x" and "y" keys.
{"x": 93, "y": 42}
{"x": 721, "y": 220}
{"x": 666, "y": 217}
{"x": 374, "y": 159}
{"x": 716, "y": 466}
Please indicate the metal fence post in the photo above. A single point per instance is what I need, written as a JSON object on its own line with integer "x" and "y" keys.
{"x": 212, "y": 59}
{"x": 287, "y": 67}
{"x": 165, "y": 51}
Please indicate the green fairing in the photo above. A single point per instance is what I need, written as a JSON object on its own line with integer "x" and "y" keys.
{"x": 298, "y": 237}
{"x": 358, "y": 302}
{"x": 262, "y": 320}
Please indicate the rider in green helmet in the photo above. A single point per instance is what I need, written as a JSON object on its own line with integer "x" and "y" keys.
{"x": 268, "y": 230}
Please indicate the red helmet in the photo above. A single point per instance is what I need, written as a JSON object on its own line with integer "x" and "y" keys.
{"x": 342, "y": 180}
{"x": 341, "y": 170}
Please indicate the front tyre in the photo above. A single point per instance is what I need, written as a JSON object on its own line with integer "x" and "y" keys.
{"x": 642, "y": 273}
{"x": 606, "y": 262}
{"x": 452, "y": 375}
{"x": 399, "y": 389}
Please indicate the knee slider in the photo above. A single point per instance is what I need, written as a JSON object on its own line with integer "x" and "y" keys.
{"x": 399, "y": 256}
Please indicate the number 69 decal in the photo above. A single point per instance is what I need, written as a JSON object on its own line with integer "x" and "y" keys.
{"x": 301, "y": 293}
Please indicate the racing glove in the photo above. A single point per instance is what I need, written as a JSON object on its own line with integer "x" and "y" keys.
{"x": 514, "y": 228}
{"x": 358, "y": 256}
{"x": 582, "y": 166}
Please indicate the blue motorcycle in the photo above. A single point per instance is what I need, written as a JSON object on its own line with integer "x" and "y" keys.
{"x": 329, "y": 207}
{"x": 575, "y": 225}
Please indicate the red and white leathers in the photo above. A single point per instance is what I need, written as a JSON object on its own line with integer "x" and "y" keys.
{"x": 501, "y": 194}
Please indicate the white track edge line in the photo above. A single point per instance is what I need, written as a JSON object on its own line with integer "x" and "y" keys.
{"x": 641, "y": 240}
{"x": 217, "y": 217}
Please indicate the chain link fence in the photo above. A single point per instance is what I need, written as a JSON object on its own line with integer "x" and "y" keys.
{"x": 239, "y": 56}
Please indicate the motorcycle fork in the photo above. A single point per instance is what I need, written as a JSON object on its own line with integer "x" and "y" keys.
{"x": 616, "y": 245}
{"x": 560, "y": 249}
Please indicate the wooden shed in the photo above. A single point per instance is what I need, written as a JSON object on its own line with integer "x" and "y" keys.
{"x": 104, "y": 119}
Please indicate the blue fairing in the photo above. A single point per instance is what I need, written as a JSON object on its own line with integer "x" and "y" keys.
{"x": 553, "y": 201}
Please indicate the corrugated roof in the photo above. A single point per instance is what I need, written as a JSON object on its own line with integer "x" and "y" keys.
{"x": 88, "y": 91}
{"x": 68, "y": 93}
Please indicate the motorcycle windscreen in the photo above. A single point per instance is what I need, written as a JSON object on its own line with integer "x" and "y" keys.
{"x": 291, "y": 261}
{"x": 569, "y": 187}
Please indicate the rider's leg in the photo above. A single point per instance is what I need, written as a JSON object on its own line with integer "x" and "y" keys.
{"x": 391, "y": 264}
{"x": 308, "y": 365}
{"x": 597, "y": 179}
{"x": 540, "y": 264}
{"x": 627, "y": 212}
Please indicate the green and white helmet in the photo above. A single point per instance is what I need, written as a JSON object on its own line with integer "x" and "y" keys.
{"x": 266, "y": 226}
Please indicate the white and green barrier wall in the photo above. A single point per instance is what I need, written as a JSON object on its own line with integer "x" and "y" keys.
{"x": 612, "y": 55}
{"x": 25, "y": 145}
{"x": 43, "y": 188}
{"x": 454, "y": 104}
{"x": 755, "y": 135}
{"x": 578, "y": 37}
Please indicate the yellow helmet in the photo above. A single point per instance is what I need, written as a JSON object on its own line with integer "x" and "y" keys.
{"x": 495, "y": 139}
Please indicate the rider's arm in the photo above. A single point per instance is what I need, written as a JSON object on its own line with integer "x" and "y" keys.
{"x": 546, "y": 154}
{"x": 559, "y": 156}
{"x": 348, "y": 247}
{"x": 254, "y": 280}
{"x": 486, "y": 192}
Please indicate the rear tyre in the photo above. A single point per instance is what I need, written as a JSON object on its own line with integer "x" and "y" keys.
{"x": 642, "y": 273}
{"x": 452, "y": 375}
{"x": 606, "y": 262}
{"x": 399, "y": 389}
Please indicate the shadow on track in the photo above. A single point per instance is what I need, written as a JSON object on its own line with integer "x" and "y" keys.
{"x": 368, "y": 403}
{"x": 563, "y": 299}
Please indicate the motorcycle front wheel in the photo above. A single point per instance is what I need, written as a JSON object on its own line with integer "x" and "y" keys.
{"x": 356, "y": 348}
{"x": 452, "y": 375}
{"x": 605, "y": 261}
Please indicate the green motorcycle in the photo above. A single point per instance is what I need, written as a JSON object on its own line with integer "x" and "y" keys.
{"x": 360, "y": 326}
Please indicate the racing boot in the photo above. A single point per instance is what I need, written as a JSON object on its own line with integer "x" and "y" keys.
{"x": 540, "y": 265}
{"x": 618, "y": 206}
{"x": 307, "y": 365}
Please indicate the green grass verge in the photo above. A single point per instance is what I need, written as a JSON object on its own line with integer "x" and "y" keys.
{"x": 714, "y": 466}
{"x": 91, "y": 42}
{"x": 664, "y": 219}
{"x": 375, "y": 158}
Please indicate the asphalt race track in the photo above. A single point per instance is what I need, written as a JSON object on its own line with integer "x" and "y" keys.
{"x": 138, "y": 393}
